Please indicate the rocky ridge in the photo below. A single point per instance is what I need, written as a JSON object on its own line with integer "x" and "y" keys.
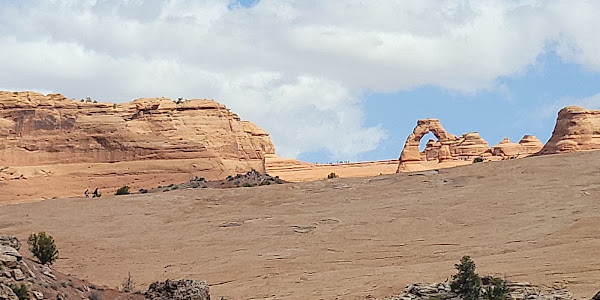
{"x": 517, "y": 291}
{"x": 38, "y": 129}
{"x": 68, "y": 146}
{"x": 42, "y": 282}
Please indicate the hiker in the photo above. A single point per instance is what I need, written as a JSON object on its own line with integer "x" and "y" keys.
{"x": 95, "y": 194}
{"x": 87, "y": 193}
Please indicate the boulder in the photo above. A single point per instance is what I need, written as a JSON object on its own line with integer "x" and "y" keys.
{"x": 597, "y": 296}
{"x": 17, "y": 274}
{"x": 9, "y": 254}
{"x": 10, "y": 241}
{"x": 184, "y": 289}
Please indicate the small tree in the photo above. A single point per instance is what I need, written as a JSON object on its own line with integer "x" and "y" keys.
{"x": 43, "y": 248}
{"x": 497, "y": 290}
{"x": 21, "y": 291}
{"x": 466, "y": 282}
{"x": 124, "y": 190}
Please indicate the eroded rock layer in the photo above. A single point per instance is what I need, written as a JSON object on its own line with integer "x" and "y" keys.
{"x": 201, "y": 137}
{"x": 577, "y": 129}
{"x": 38, "y": 129}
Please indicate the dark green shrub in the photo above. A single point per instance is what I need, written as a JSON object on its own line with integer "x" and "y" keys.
{"x": 478, "y": 159}
{"x": 43, "y": 248}
{"x": 332, "y": 175}
{"x": 497, "y": 290}
{"x": 466, "y": 282}
{"x": 21, "y": 291}
{"x": 124, "y": 190}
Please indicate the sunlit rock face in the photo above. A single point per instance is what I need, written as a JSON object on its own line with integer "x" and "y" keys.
{"x": 38, "y": 129}
{"x": 577, "y": 129}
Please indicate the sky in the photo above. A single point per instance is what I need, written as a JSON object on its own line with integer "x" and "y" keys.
{"x": 330, "y": 80}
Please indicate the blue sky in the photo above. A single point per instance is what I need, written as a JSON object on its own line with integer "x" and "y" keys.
{"x": 526, "y": 104}
{"x": 330, "y": 80}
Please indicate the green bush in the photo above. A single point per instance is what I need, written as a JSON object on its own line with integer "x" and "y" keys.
{"x": 478, "y": 159}
{"x": 43, "y": 248}
{"x": 124, "y": 190}
{"x": 21, "y": 291}
{"x": 497, "y": 290}
{"x": 466, "y": 282}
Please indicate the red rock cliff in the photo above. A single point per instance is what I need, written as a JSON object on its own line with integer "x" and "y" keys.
{"x": 44, "y": 130}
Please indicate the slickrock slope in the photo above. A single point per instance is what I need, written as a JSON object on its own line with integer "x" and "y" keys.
{"x": 533, "y": 220}
{"x": 297, "y": 171}
{"x": 577, "y": 129}
{"x": 49, "y": 136}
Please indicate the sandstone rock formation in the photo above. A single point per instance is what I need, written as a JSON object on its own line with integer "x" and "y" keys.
{"x": 184, "y": 289}
{"x": 517, "y": 291}
{"x": 198, "y": 137}
{"x": 38, "y": 130}
{"x": 527, "y": 146}
{"x": 577, "y": 129}
{"x": 450, "y": 150}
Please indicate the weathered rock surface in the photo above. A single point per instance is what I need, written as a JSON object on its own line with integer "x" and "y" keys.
{"x": 184, "y": 289}
{"x": 9, "y": 254}
{"x": 6, "y": 293}
{"x": 450, "y": 150}
{"x": 517, "y": 291}
{"x": 42, "y": 137}
{"x": 577, "y": 129}
{"x": 10, "y": 241}
{"x": 45, "y": 283}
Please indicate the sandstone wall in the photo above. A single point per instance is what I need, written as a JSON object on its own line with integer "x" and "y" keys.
{"x": 39, "y": 130}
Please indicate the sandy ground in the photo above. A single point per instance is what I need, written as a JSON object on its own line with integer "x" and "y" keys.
{"x": 534, "y": 219}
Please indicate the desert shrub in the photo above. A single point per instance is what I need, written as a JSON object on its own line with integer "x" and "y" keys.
{"x": 43, "y": 248}
{"x": 497, "y": 290}
{"x": 332, "y": 175}
{"x": 127, "y": 284}
{"x": 124, "y": 190}
{"x": 175, "y": 187}
{"x": 264, "y": 182}
{"x": 478, "y": 159}
{"x": 95, "y": 296}
{"x": 64, "y": 284}
{"x": 466, "y": 282}
{"x": 21, "y": 291}
{"x": 54, "y": 286}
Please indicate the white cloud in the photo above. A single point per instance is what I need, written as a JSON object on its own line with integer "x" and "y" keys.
{"x": 298, "y": 68}
{"x": 551, "y": 110}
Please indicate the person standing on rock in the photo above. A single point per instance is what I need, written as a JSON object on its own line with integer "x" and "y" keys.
{"x": 87, "y": 193}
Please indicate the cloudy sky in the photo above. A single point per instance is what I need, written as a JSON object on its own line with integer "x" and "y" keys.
{"x": 330, "y": 80}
